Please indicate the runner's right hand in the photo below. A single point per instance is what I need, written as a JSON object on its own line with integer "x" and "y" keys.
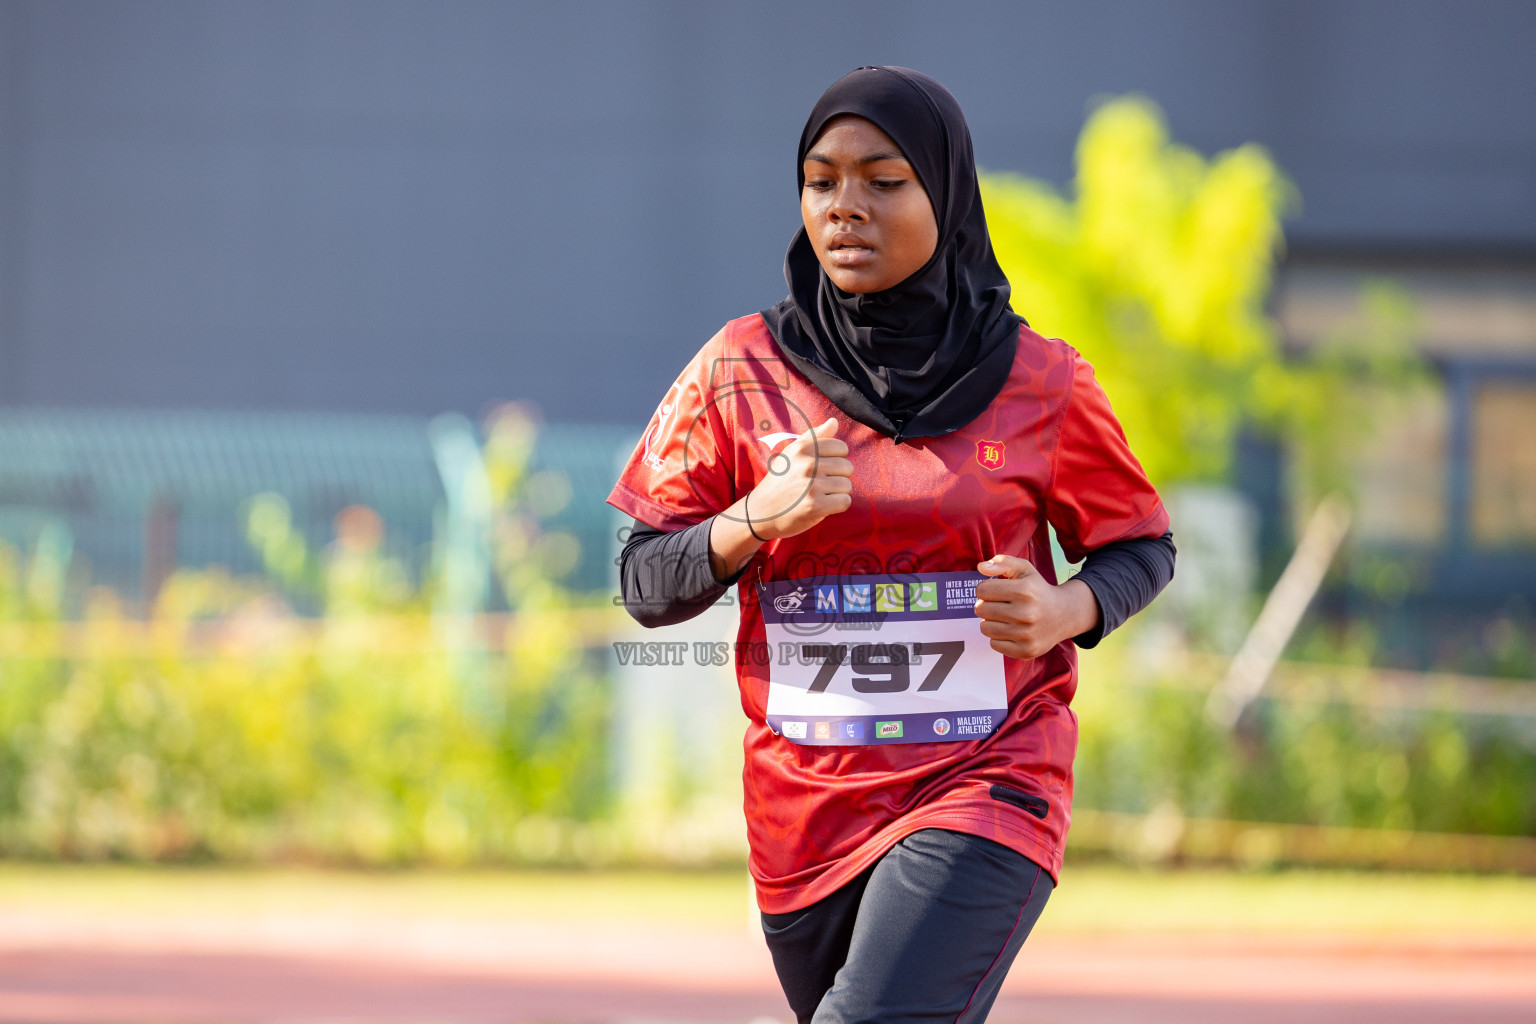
{"x": 808, "y": 479}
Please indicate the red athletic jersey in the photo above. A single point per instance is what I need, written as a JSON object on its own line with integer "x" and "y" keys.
{"x": 1047, "y": 450}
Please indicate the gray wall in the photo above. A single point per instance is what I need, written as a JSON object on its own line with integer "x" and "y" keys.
{"x": 411, "y": 207}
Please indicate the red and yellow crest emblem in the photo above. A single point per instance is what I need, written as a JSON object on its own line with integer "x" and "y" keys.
{"x": 989, "y": 454}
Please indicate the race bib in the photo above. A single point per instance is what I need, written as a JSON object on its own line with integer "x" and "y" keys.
{"x": 881, "y": 659}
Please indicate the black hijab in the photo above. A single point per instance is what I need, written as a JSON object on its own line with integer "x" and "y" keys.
{"x": 925, "y": 357}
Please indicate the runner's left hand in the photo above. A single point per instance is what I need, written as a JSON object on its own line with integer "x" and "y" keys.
{"x": 1023, "y": 614}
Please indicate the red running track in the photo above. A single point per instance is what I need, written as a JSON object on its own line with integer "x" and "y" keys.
{"x": 92, "y": 969}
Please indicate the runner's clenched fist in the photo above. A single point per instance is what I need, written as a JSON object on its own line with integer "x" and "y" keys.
{"x": 1025, "y": 615}
{"x": 807, "y": 480}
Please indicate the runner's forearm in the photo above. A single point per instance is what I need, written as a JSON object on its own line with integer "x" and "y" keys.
{"x": 666, "y": 577}
{"x": 1125, "y": 576}
{"x": 731, "y": 542}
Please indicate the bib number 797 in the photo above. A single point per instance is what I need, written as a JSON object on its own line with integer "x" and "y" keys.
{"x": 882, "y": 668}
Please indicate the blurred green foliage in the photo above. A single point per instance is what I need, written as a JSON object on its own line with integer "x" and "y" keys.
{"x": 224, "y": 726}
{"x": 1325, "y": 757}
{"x": 1158, "y": 269}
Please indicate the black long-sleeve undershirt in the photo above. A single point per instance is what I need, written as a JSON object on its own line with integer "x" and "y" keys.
{"x": 666, "y": 577}
{"x": 1125, "y": 576}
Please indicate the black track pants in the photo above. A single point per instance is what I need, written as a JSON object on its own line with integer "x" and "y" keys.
{"x": 927, "y": 934}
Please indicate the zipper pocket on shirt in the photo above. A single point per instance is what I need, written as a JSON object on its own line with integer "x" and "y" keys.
{"x": 1036, "y": 805}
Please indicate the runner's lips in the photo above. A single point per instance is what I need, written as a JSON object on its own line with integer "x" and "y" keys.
{"x": 847, "y": 250}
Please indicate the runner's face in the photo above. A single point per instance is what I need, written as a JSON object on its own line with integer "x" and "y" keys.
{"x": 865, "y": 211}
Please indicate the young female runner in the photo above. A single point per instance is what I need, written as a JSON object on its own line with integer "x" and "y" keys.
{"x": 875, "y": 460}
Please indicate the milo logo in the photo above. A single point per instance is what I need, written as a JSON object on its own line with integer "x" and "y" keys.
{"x": 887, "y": 730}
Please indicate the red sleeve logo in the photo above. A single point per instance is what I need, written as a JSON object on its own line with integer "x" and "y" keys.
{"x": 989, "y": 454}
{"x": 655, "y": 442}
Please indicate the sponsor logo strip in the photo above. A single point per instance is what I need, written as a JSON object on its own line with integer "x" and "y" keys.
{"x": 871, "y": 599}
{"x": 949, "y": 727}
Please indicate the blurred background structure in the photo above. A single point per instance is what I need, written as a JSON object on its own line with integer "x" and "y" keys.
{"x": 404, "y": 209}
{"x": 270, "y": 271}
